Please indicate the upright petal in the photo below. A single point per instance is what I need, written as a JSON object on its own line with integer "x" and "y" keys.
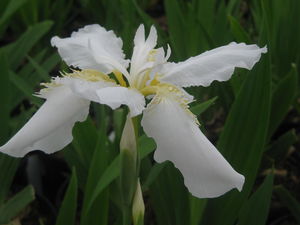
{"x": 206, "y": 173}
{"x": 217, "y": 64}
{"x": 50, "y": 128}
{"x": 142, "y": 49}
{"x": 92, "y": 47}
{"x": 117, "y": 96}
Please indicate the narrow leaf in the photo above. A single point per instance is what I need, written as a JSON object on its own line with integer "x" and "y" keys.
{"x": 5, "y": 98}
{"x": 198, "y": 109}
{"x": 283, "y": 97}
{"x": 279, "y": 148}
{"x": 8, "y": 167}
{"x": 11, "y": 8}
{"x": 289, "y": 201}
{"x": 67, "y": 212}
{"x": 16, "y": 204}
{"x": 39, "y": 69}
{"x": 113, "y": 170}
{"x": 19, "y": 49}
{"x": 256, "y": 209}
{"x": 238, "y": 31}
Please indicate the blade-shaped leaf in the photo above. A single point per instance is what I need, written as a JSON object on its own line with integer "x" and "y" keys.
{"x": 289, "y": 201}
{"x": 238, "y": 31}
{"x": 11, "y": 208}
{"x": 24, "y": 87}
{"x": 145, "y": 146}
{"x": 100, "y": 204}
{"x": 5, "y": 98}
{"x": 11, "y": 8}
{"x": 67, "y": 212}
{"x": 283, "y": 97}
{"x": 279, "y": 149}
{"x": 198, "y": 109}
{"x": 256, "y": 209}
{"x": 19, "y": 49}
{"x": 8, "y": 167}
{"x": 39, "y": 69}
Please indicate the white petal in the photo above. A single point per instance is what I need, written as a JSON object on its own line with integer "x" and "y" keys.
{"x": 168, "y": 53}
{"x": 50, "y": 128}
{"x": 152, "y": 38}
{"x": 206, "y": 173}
{"x": 92, "y": 47}
{"x": 217, "y": 64}
{"x": 142, "y": 49}
{"x": 117, "y": 96}
{"x": 139, "y": 37}
{"x": 86, "y": 89}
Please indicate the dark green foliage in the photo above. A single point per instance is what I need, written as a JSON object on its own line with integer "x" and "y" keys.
{"x": 246, "y": 116}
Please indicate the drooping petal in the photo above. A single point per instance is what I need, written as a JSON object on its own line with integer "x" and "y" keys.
{"x": 92, "y": 47}
{"x": 206, "y": 173}
{"x": 50, "y": 128}
{"x": 84, "y": 88}
{"x": 117, "y": 96}
{"x": 217, "y": 64}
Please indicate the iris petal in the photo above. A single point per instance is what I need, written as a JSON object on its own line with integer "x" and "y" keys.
{"x": 206, "y": 173}
{"x": 117, "y": 96}
{"x": 50, "y": 128}
{"x": 92, "y": 47}
{"x": 217, "y": 64}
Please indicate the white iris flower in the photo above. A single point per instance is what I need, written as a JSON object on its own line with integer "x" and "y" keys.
{"x": 167, "y": 118}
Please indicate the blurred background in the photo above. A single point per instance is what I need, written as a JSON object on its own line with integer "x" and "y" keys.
{"x": 253, "y": 118}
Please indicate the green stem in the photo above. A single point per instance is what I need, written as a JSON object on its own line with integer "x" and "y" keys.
{"x": 129, "y": 166}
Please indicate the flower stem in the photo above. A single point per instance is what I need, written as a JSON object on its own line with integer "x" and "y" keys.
{"x": 129, "y": 167}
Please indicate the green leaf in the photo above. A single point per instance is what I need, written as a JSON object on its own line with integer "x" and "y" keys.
{"x": 200, "y": 108}
{"x": 197, "y": 207}
{"x": 146, "y": 18}
{"x": 27, "y": 70}
{"x": 282, "y": 99}
{"x": 256, "y": 209}
{"x": 39, "y": 69}
{"x": 243, "y": 140}
{"x": 111, "y": 173}
{"x": 176, "y": 24}
{"x": 16, "y": 204}
{"x": 169, "y": 197}
{"x": 11, "y": 8}
{"x": 19, "y": 49}
{"x": 99, "y": 204}
{"x": 288, "y": 201}
{"x": 85, "y": 140}
{"x": 146, "y": 146}
{"x": 233, "y": 4}
{"x": 24, "y": 87}
{"x": 8, "y": 167}
{"x": 5, "y": 98}
{"x": 279, "y": 148}
{"x": 80, "y": 153}
{"x": 153, "y": 174}
{"x": 67, "y": 212}
{"x": 238, "y": 31}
